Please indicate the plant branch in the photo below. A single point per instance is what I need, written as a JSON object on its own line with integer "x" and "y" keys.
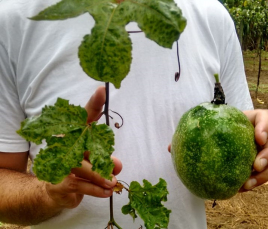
{"x": 107, "y": 117}
{"x": 106, "y": 113}
{"x": 106, "y": 106}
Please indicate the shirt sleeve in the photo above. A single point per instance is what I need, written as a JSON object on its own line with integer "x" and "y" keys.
{"x": 232, "y": 72}
{"x": 11, "y": 113}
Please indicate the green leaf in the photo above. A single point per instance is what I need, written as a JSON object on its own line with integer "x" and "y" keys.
{"x": 105, "y": 54}
{"x": 146, "y": 201}
{"x": 54, "y": 120}
{"x": 100, "y": 141}
{"x": 62, "y": 154}
{"x": 160, "y": 20}
{"x": 64, "y": 10}
{"x": 68, "y": 136}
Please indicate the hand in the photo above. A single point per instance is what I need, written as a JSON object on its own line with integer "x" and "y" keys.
{"x": 259, "y": 119}
{"x": 83, "y": 181}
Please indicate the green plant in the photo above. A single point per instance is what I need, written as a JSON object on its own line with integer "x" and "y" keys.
{"x": 251, "y": 20}
{"x": 105, "y": 55}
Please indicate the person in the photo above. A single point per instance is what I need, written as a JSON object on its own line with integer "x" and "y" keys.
{"x": 38, "y": 64}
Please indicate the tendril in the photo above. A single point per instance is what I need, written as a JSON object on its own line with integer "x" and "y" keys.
{"x": 117, "y": 125}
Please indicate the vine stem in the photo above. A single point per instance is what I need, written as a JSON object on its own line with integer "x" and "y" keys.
{"x": 106, "y": 106}
{"x": 106, "y": 113}
{"x": 107, "y": 119}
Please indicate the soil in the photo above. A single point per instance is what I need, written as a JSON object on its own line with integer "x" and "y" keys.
{"x": 248, "y": 210}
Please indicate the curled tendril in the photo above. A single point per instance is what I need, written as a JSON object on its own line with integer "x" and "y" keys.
{"x": 117, "y": 125}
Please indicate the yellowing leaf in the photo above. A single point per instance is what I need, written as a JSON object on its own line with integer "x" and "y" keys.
{"x": 118, "y": 188}
{"x": 260, "y": 101}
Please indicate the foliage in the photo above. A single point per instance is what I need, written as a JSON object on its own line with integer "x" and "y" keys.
{"x": 68, "y": 136}
{"x": 105, "y": 55}
{"x": 251, "y": 20}
{"x": 146, "y": 201}
{"x": 109, "y": 57}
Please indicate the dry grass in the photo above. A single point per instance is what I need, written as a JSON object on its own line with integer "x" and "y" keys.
{"x": 8, "y": 226}
{"x": 247, "y": 210}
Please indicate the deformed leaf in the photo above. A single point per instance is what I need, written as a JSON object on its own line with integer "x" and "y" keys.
{"x": 118, "y": 188}
{"x": 109, "y": 57}
{"x": 160, "y": 20}
{"x": 127, "y": 209}
{"x": 100, "y": 141}
{"x": 146, "y": 201}
{"x": 64, "y": 9}
{"x": 105, "y": 54}
{"x": 58, "y": 119}
{"x": 55, "y": 161}
{"x": 64, "y": 128}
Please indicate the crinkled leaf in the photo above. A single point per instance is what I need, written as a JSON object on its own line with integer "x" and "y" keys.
{"x": 68, "y": 136}
{"x": 65, "y": 9}
{"x": 100, "y": 143}
{"x": 146, "y": 201}
{"x": 160, "y": 20}
{"x": 55, "y": 161}
{"x": 58, "y": 119}
{"x": 105, "y": 54}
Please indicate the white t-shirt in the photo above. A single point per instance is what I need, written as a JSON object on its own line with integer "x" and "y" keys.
{"x": 39, "y": 63}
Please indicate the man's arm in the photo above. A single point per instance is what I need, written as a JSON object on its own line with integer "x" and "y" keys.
{"x": 25, "y": 200}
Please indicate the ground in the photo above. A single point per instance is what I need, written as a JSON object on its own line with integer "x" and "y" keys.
{"x": 247, "y": 210}
{"x": 260, "y": 99}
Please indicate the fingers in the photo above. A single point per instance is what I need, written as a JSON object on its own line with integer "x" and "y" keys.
{"x": 69, "y": 193}
{"x": 259, "y": 119}
{"x": 260, "y": 162}
{"x": 87, "y": 174}
{"x": 76, "y": 185}
{"x": 117, "y": 166}
{"x": 95, "y": 104}
{"x": 82, "y": 181}
{"x": 260, "y": 176}
{"x": 256, "y": 180}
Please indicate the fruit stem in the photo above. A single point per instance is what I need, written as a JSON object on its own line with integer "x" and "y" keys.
{"x": 219, "y": 97}
{"x": 216, "y": 76}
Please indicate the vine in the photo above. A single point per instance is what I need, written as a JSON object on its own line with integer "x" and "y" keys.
{"x": 105, "y": 55}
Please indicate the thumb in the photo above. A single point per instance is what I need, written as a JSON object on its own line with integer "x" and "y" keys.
{"x": 259, "y": 119}
{"x": 95, "y": 104}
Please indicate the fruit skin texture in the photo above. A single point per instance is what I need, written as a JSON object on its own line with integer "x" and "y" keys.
{"x": 213, "y": 150}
